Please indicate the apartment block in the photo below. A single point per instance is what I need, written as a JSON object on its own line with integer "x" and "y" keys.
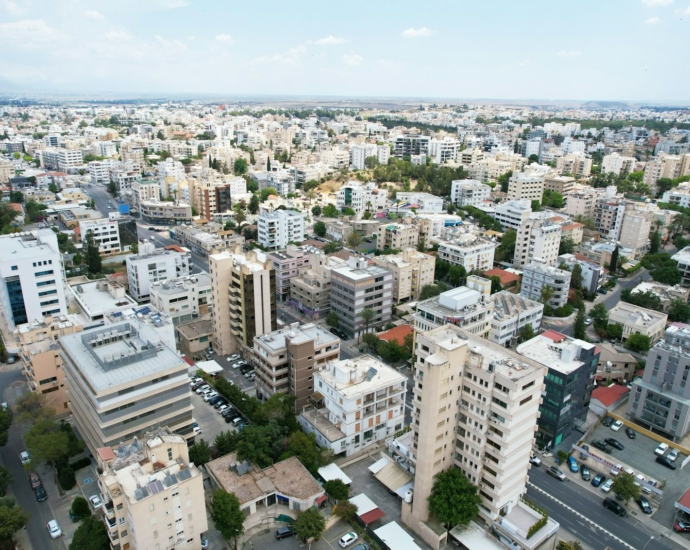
{"x": 443, "y": 150}
{"x": 362, "y": 198}
{"x": 356, "y": 287}
{"x": 154, "y": 265}
{"x": 592, "y": 273}
{"x": 280, "y": 227}
{"x": 122, "y": 382}
{"x": 608, "y": 217}
{"x": 411, "y": 144}
{"x": 572, "y": 367}
{"x": 538, "y": 239}
{"x": 536, "y": 276}
{"x": 63, "y": 160}
{"x": 559, "y": 184}
{"x": 618, "y": 164}
{"x": 489, "y": 170}
{"x": 469, "y": 192}
{"x": 164, "y": 212}
{"x": 412, "y": 271}
{"x": 475, "y": 407}
{"x": 287, "y": 359}
{"x": 524, "y": 185}
{"x": 152, "y": 478}
{"x": 310, "y": 291}
{"x": 635, "y": 230}
{"x": 510, "y": 315}
{"x": 243, "y": 297}
{"x": 635, "y": 319}
{"x": 512, "y": 214}
{"x": 574, "y": 165}
{"x": 182, "y": 298}
{"x": 362, "y": 402}
{"x": 420, "y": 201}
{"x": 287, "y": 265}
{"x": 468, "y": 250}
{"x": 106, "y": 234}
{"x": 682, "y": 259}
{"x": 397, "y": 236}
{"x": 662, "y": 166}
{"x": 581, "y": 203}
{"x": 99, "y": 171}
{"x": 144, "y": 191}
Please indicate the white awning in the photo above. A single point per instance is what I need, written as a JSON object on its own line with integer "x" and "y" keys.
{"x": 364, "y": 504}
{"x": 209, "y": 367}
{"x": 395, "y": 537}
{"x": 331, "y": 472}
{"x": 393, "y": 476}
{"x": 376, "y": 466}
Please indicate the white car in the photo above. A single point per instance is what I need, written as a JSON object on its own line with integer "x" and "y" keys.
{"x": 661, "y": 449}
{"x": 194, "y": 380}
{"x": 234, "y": 357}
{"x": 606, "y": 487}
{"x": 210, "y": 395}
{"x": 54, "y": 529}
{"x": 347, "y": 539}
{"x": 222, "y": 408}
{"x": 24, "y": 457}
{"x": 534, "y": 459}
{"x": 203, "y": 389}
{"x": 617, "y": 425}
{"x": 673, "y": 454}
{"x": 96, "y": 502}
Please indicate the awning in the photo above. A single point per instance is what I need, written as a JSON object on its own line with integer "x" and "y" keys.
{"x": 683, "y": 503}
{"x": 331, "y": 472}
{"x": 393, "y": 476}
{"x": 376, "y": 466}
{"x": 209, "y": 367}
{"x": 371, "y": 517}
{"x": 322, "y": 498}
{"x": 402, "y": 490}
{"x": 395, "y": 537}
{"x": 367, "y": 510}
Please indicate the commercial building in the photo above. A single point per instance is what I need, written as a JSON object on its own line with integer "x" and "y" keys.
{"x": 99, "y": 171}
{"x": 194, "y": 338}
{"x": 510, "y": 315}
{"x": 572, "y": 366}
{"x": 359, "y": 286}
{"x": 512, "y": 214}
{"x": 536, "y": 276}
{"x": 538, "y": 239}
{"x": 124, "y": 381}
{"x": 243, "y": 297}
{"x": 106, "y": 234}
{"x": 287, "y": 359}
{"x": 164, "y": 212}
{"x": 362, "y": 401}
{"x": 148, "y": 480}
{"x": 182, "y": 298}
{"x": 154, "y": 265}
{"x": 32, "y": 273}
{"x": 280, "y": 227}
{"x": 397, "y": 236}
{"x": 635, "y": 319}
{"x": 469, "y": 192}
{"x": 412, "y": 271}
{"x": 475, "y": 407}
{"x": 524, "y": 185}
{"x": 469, "y": 251}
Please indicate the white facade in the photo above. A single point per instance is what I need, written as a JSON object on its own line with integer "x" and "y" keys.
{"x": 536, "y": 276}
{"x": 471, "y": 252}
{"x": 679, "y": 196}
{"x": 105, "y": 232}
{"x": 152, "y": 267}
{"x": 511, "y": 314}
{"x": 469, "y": 192}
{"x": 359, "y": 153}
{"x": 423, "y": 202}
{"x": 526, "y": 185}
{"x": 183, "y": 298}
{"x": 99, "y": 171}
{"x": 443, "y": 150}
{"x": 362, "y": 197}
{"x": 276, "y": 229}
{"x": 537, "y": 239}
{"x": 513, "y": 214}
{"x": 617, "y": 163}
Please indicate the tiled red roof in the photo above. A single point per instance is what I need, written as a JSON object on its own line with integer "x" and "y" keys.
{"x": 397, "y": 333}
{"x": 608, "y": 395}
{"x": 506, "y": 276}
{"x": 553, "y": 335}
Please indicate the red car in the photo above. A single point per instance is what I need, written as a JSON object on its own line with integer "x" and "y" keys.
{"x": 681, "y": 527}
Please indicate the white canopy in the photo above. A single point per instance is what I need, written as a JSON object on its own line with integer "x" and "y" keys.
{"x": 209, "y": 367}
{"x": 331, "y": 472}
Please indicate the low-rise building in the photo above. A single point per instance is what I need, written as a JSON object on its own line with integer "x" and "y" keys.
{"x": 397, "y": 236}
{"x": 106, "y": 234}
{"x": 614, "y": 365}
{"x": 682, "y": 259}
{"x": 635, "y": 319}
{"x": 666, "y": 293}
{"x": 559, "y": 184}
{"x": 153, "y": 265}
{"x": 511, "y": 313}
{"x": 182, "y": 298}
{"x": 421, "y": 202}
{"x": 338, "y": 230}
{"x": 412, "y": 271}
{"x": 537, "y": 275}
{"x": 164, "y": 212}
{"x": 512, "y": 214}
{"x": 194, "y": 338}
{"x": 94, "y": 300}
{"x": 468, "y": 250}
{"x": 469, "y": 192}
{"x": 212, "y": 239}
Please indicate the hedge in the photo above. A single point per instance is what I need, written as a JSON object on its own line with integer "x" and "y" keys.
{"x": 81, "y": 463}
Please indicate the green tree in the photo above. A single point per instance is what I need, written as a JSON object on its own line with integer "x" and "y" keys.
{"x": 367, "y": 315}
{"x": 429, "y": 291}
{"x": 93, "y": 256}
{"x": 546, "y": 294}
{"x": 16, "y": 196}
{"x": 346, "y": 511}
{"x": 504, "y": 180}
{"x": 80, "y": 508}
{"x": 91, "y": 535}
{"x": 336, "y": 489}
{"x": 679, "y": 311}
{"x": 625, "y": 486}
{"x": 457, "y": 275}
{"x": 536, "y": 206}
{"x": 46, "y": 442}
{"x": 52, "y": 188}
{"x": 225, "y": 442}
{"x": 5, "y": 418}
{"x": 112, "y": 188}
{"x": 567, "y": 246}
{"x": 600, "y": 316}
{"x": 614, "y": 331}
{"x": 496, "y": 285}
{"x": 655, "y": 242}
{"x": 453, "y": 500}
{"x": 371, "y": 162}
{"x": 580, "y": 329}
{"x": 421, "y": 244}
{"x": 240, "y": 166}
{"x": 576, "y": 277}
{"x": 331, "y": 246}
{"x": 5, "y": 480}
{"x": 526, "y": 332}
{"x": 638, "y": 342}
{"x": 330, "y": 211}
{"x": 66, "y": 478}
{"x": 506, "y": 249}
{"x": 571, "y": 545}
{"x": 532, "y": 159}
{"x": 304, "y": 447}
{"x": 332, "y": 319}
{"x": 12, "y": 519}
{"x": 316, "y": 210}
{"x": 240, "y": 217}
{"x": 354, "y": 239}
{"x": 647, "y": 299}
{"x": 309, "y": 525}
{"x": 200, "y": 452}
{"x": 227, "y": 516}
{"x": 613, "y": 264}
{"x": 253, "y": 204}
{"x": 30, "y": 407}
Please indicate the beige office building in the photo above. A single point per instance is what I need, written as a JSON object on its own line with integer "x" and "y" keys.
{"x": 153, "y": 497}
{"x": 475, "y": 407}
{"x": 559, "y": 184}
{"x": 411, "y": 270}
{"x": 243, "y": 298}
{"x": 635, "y": 319}
{"x": 397, "y": 236}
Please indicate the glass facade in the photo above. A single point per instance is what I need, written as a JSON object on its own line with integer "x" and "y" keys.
{"x": 14, "y": 291}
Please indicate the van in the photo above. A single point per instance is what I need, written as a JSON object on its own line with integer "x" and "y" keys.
{"x": 616, "y": 508}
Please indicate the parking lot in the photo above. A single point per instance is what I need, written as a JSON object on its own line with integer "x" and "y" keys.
{"x": 210, "y": 422}
{"x": 328, "y": 541}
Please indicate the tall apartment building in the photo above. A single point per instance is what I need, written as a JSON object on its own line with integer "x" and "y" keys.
{"x": 475, "y": 407}
{"x": 575, "y": 165}
{"x": 33, "y": 276}
{"x": 63, "y": 160}
{"x": 397, "y": 236}
{"x": 154, "y": 265}
{"x": 287, "y": 359}
{"x": 152, "y": 479}
{"x": 359, "y": 153}
{"x": 310, "y": 291}
{"x": 662, "y": 166}
{"x": 412, "y": 271}
{"x": 536, "y": 276}
{"x": 523, "y": 185}
{"x": 122, "y": 382}
{"x": 581, "y": 203}
{"x": 635, "y": 230}
{"x": 40, "y": 353}
{"x": 278, "y": 228}
{"x": 362, "y": 198}
{"x": 512, "y": 214}
{"x": 559, "y": 184}
{"x": 608, "y": 217}
{"x": 411, "y": 144}
{"x": 660, "y": 399}
{"x": 106, "y": 234}
{"x": 469, "y": 192}
{"x": 243, "y": 296}
{"x": 537, "y": 239}
{"x": 469, "y": 251}
{"x": 618, "y": 164}
{"x": 99, "y": 171}
{"x": 363, "y": 402}
{"x": 358, "y": 286}
{"x": 182, "y": 298}
{"x": 287, "y": 264}
{"x": 682, "y": 259}
{"x": 443, "y": 150}
{"x": 572, "y": 367}
{"x": 144, "y": 191}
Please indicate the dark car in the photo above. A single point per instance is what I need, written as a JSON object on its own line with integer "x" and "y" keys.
{"x": 681, "y": 527}
{"x": 608, "y": 421}
{"x": 583, "y": 456}
{"x": 630, "y": 433}
{"x": 643, "y": 503}
{"x": 601, "y": 446}
{"x": 598, "y": 480}
{"x": 615, "y": 443}
{"x": 584, "y": 472}
{"x": 362, "y": 546}
{"x": 284, "y": 532}
{"x": 214, "y": 400}
{"x": 40, "y": 493}
{"x": 664, "y": 461}
{"x": 218, "y": 404}
{"x": 152, "y": 228}
{"x": 616, "y": 508}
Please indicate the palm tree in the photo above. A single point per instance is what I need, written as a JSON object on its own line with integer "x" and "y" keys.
{"x": 311, "y": 195}
{"x": 546, "y": 294}
{"x": 367, "y": 315}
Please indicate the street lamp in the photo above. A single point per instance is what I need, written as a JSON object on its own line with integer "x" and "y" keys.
{"x": 650, "y": 540}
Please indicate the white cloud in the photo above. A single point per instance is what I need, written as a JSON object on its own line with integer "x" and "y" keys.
{"x": 524, "y": 63}
{"x": 416, "y": 33}
{"x": 657, "y": 3}
{"x": 290, "y": 57}
{"x": 116, "y": 35}
{"x": 564, "y": 53}
{"x": 352, "y": 59}
{"x": 330, "y": 40}
{"x": 173, "y": 46}
{"x": 224, "y": 39}
{"x": 171, "y": 4}
{"x": 93, "y": 14}
{"x": 653, "y": 21}
{"x": 30, "y": 33}
{"x": 10, "y": 7}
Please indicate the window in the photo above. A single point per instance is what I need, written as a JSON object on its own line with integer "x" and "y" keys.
{"x": 526, "y": 399}
{"x": 14, "y": 267}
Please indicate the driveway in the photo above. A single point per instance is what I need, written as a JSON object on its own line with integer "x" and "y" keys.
{"x": 210, "y": 422}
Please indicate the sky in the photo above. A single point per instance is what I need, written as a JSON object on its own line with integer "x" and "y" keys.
{"x": 615, "y": 50}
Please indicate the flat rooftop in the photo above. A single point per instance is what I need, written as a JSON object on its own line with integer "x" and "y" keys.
{"x": 241, "y": 259}
{"x": 276, "y": 340}
{"x": 555, "y": 351}
{"x": 359, "y": 376}
{"x": 635, "y": 315}
{"x": 196, "y": 328}
{"x": 27, "y": 245}
{"x": 359, "y": 274}
{"x": 182, "y": 285}
{"x": 95, "y": 299}
{"x": 507, "y": 305}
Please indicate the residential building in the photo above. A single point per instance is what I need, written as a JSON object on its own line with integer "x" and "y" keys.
{"x": 99, "y": 171}
{"x": 287, "y": 264}
{"x": 106, "y": 234}
{"x": 635, "y": 319}
{"x": 665, "y": 293}
{"x": 443, "y": 150}
{"x": 280, "y": 227}
{"x": 559, "y": 184}
{"x": 662, "y": 166}
{"x": 600, "y": 252}
{"x": 615, "y": 366}
{"x": 512, "y": 214}
{"x": 475, "y": 407}
{"x": 682, "y": 259}
{"x": 397, "y": 236}
{"x": 412, "y": 271}
{"x": 310, "y": 291}
{"x": 6, "y": 171}
{"x": 153, "y": 265}
{"x": 144, "y": 191}
{"x": 124, "y": 179}
{"x": 209, "y": 240}
{"x": 360, "y": 286}
{"x": 421, "y": 202}
{"x": 194, "y": 338}
{"x": 635, "y": 230}
{"x": 411, "y": 144}
{"x": 490, "y": 169}
{"x": 592, "y": 273}
{"x": 538, "y": 239}
{"x": 511, "y": 314}
{"x": 536, "y": 276}
{"x": 124, "y": 381}
{"x": 338, "y": 230}
{"x": 469, "y": 192}
{"x": 182, "y": 298}
{"x": 679, "y": 196}
{"x": 362, "y": 401}
{"x": 618, "y": 164}
{"x": 359, "y": 153}
{"x": 572, "y": 366}
{"x": 164, "y": 212}
{"x": 469, "y": 251}
{"x": 64, "y": 160}
{"x": 287, "y": 359}
{"x": 660, "y": 400}
{"x": 33, "y": 276}
{"x": 574, "y": 231}
{"x": 362, "y": 198}
{"x": 95, "y": 299}
{"x": 608, "y": 217}
{"x": 574, "y": 165}
{"x": 581, "y": 203}
{"x": 152, "y": 478}
{"x": 243, "y": 294}
{"x": 526, "y": 185}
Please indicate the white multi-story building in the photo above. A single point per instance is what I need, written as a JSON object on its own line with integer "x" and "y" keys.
{"x": 60, "y": 159}
{"x": 510, "y": 315}
{"x": 359, "y": 153}
{"x": 592, "y": 273}
{"x": 443, "y": 150}
{"x": 469, "y": 192}
{"x": 537, "y": 275}
{"x": 363, "y": 403}
{"x": 280, "y": 227}
{"x": 468, "y": 250}
{"x": 182, "y": 298}
{"x": 124, "y": 179}
{"x": 362, "y": 198}
{"x": 153, "y": 265}
{"x": 422, "y": 202}
{"x": 512, "y": 214}
{"x": 33, "y": 278}
{"x": 679, "y": 196}
{"x": 526, "y": 185}
{"x": 99, "y": 171}
{"x": 682, "y": 259}
{"x": 537, "y": 238}
{"x": 144, "y": 191}
{"x": 106, "y": 233}
{"x": 617, "y": 164}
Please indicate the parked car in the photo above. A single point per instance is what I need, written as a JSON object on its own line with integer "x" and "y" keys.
{"x": 34, "y": 480}
{"x": 664, "y": 461}
{"x": 681, "y": 527}
{"x": 96, "y": 502}
{"x": 644, "y": 505}
{"x": 210, "y": 395}
{"x": 24, "y": 457}
{"x": 234, "y": 357}
{"x": 598, "y": 480}
{"x": 630, "y": 433}
{"x": 606, "y": 487}
{"x": 284, "y": 532}
{"x": 555, "y": 472}
{"x": 236, "y": 421}
{"x": 617, "y": 425}
{"x": 573, "y": 465}
{"x": 534, "y": 459}
{"x": 661, "y": 449}
{"x": 673, "y": 454}
{"x": 601, "y": 446}
{"x": 583, "y": 456}
{"x": 194, "y": 380}
{"x": 40, "y": 493}
{"x": 215, "y": 400}
{"x": 201, "y": 389}
{"x": 222, "y": 401}
{"x": 616, "y": 508}
{"x": 608, "y": 421}
{"x": 347, "y": 539}
{"x": 584, "y": 473}
{"x": 362, "y": 546}
{"x": 54, "y": 529}
{"x": 615, "y": 443}
{"x": 239, "y": 364}
{"x": 602, "y": 291}
{"x": 588, "y": 321}
{"x": 222, "y": 408}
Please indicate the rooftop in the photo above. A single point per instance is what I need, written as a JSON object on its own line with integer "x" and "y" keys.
{"x": 631, "y": 314}
{"x": 398, "y": 334}
{"x": 255, "y": 260}
{"x": 99, "y": 297}
{"x": 197, "y": 328}
{"x": 359, "y": 376}
{"x": 507, "y": 304}
{"x": 26, "y": 245}
{"x": 181, "y": 285}
{"x": 297, "y": 334}
{"x": 506, "y": 276}
{"x": 608, "y": 395}
{"x": 555, "y": 351}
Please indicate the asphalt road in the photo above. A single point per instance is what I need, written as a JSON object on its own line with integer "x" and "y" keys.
{"x": 598, "y": 528}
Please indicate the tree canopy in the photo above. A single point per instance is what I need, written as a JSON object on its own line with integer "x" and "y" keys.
{"x": 309, "y": 525}
{"x": 625, "y": 486}
{"x": 453, "y": 500}
{"x": 227, "y": 515}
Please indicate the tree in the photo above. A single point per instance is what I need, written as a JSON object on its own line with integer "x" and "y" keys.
{"x": 225, "y": 442}
{"x": 367, "y": 314}
{"x": 16, "y": 196}
{"x": 5, "y": 480}
{"x": 580, "y": 329}
{"x": 330, "y": 211}
{"x": 624, "y": 485}
{"x": 638, "y": 342}
{"x": 647, "y": 299}
{"x": 354, "y": 239}
{"x": 309, "y": 525}
{"x": 240, "y": 217}
{"x": 567, "y": 246}
{"x": 46, "y": 442}
{"x": 614, "y": 331}
{"x": 253, "y": 204}
{"x": 332, "y": 319}
{"x": 546, "y": 294}
{"x": 613, "y": 264}
{"x": 93, "y": 256}
{"x": 345, "y": 510}
{"x": 316, "y": 210}
{"x": 429, "y": 291}
{"x": 495, "y": 284}
{"x": 571, "y": 545}
{"x": 331, "y": 246}
{"x": 304, "y": 447}
{"x": 506, "y": 249}
{"x": 453, "y": 500}
{"x": 536, "y": 206}
{"x": 12, "y": 519}
{"x": 337, "y": 490}
{"x": 200, "y": 452}
{"x": 457, "y": 275}
{"x": 347, "y": 211}
{"x": 30, "y": 408}
{"x": 421, "y": 244}
{"x": 371, "y": 162}
{"x": 66, "y": 478}
{"x": 532, "y": 159}
{"x": 526, "y": 332}
{"x": 5, "y": 422}
{"x": 227, "y": 516}
{"x": 504, "y": 180}
{"x": 112, "y": 188}
{"x": 576, "y": 277}
{"x": 678, "y": 311}
{"x": 240, "y": 166}
{"x": 80, "y": 508}
{"x": 655, "y": 242}
{"x": 600, "y": 316}
{"x": 91, "y": 535}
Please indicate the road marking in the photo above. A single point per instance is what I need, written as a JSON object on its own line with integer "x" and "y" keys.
{"x": 578, "y": 514}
